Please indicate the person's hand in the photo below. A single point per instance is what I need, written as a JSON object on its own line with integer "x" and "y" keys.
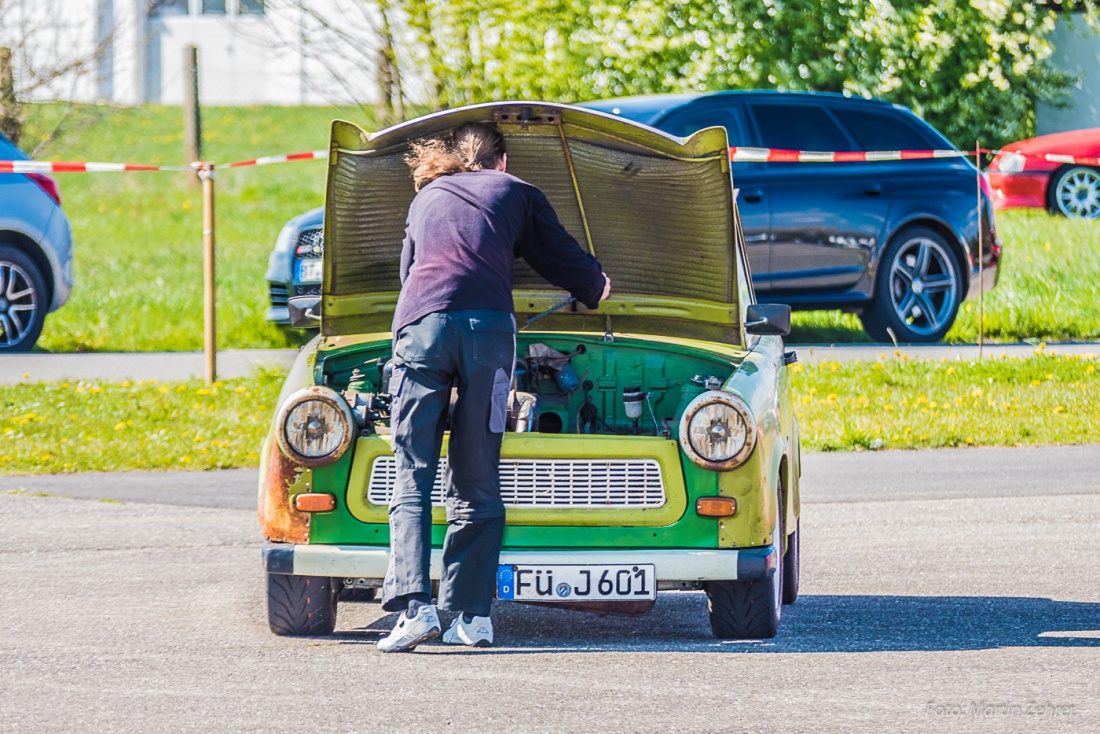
{"x": 606, "y": 287}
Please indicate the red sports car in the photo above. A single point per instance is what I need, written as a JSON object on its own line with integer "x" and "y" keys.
{"x": 1023, "y": 177}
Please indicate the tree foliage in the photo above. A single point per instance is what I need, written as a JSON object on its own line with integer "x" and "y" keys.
{"x": 973, "y": 68}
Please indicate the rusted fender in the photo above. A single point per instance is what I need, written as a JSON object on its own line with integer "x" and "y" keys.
{"x": 280, "y": 480}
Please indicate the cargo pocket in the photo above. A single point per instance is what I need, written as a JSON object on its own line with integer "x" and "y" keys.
{"x": 396, "y": 387}
{"x": 498, "y": 413}
{"x": 494, "y": 339}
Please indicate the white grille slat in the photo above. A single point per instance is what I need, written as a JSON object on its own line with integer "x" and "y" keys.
{"x": 551, "y": 483}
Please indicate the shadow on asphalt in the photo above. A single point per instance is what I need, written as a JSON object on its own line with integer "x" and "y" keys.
{"x": 815, "y": 623}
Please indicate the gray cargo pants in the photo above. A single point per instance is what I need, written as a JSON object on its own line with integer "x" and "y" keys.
{"x": 475, "y": 350}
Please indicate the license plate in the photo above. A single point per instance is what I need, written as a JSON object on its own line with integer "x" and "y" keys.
{"x": 309, "y": 271}
{"x": 577, "y": 582}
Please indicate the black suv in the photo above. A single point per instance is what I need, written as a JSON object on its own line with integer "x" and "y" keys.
{"x": 895, "y": 241}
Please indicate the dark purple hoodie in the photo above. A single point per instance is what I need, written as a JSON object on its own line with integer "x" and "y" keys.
{"x": 462, "y": 237}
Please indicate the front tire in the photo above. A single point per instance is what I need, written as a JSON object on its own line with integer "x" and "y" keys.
{"x": 23, "y": 303}
{"x": 918, "y": 291}
{"x": 748, "y": 610}
{"x": 301, "y": 606}
{"x": 1076, "y": 193}
{"x": 790, "y": 565}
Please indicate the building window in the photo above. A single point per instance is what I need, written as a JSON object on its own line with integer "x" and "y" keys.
{"x": 213, "y": 7}
{"x": 159, "y": 8}
{"x": 251, "y": 7}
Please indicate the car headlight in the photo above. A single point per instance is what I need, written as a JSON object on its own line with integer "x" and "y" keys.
{"x": 1011, "y": 163}
{"x": 314, "y": 427}
{"x": 717, "y": 431}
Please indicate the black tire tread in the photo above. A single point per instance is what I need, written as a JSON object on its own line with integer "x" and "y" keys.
{"x": 740, "y": 609}
{"x": 791, "y": 565}
{"x": 301, "y": 606}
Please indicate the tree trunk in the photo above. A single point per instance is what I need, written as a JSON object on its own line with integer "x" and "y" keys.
{"x": 11, "y": 112}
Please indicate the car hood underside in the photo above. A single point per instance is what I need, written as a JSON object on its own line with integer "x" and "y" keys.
{"x": 656, "y": 210}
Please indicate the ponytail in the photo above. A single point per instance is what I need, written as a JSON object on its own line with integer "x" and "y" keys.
{"x": 473, "y": 146}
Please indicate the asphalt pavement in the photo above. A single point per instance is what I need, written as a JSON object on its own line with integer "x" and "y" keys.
{"x": 927, "y": 604}
{"x": 168, "y": 366}
{"x": 851, "y": 476}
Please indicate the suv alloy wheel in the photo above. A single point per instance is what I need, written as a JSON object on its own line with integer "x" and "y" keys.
{"x": 918, "y": 290}
{"x": 22, "y": 301}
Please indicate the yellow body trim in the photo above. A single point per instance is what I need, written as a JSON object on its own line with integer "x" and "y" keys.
{"x": 545, "y": 446}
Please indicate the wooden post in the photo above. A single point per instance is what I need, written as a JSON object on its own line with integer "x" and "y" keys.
{"x": 10, "y": 122}
{"x": 192, "y": 114}
{"x": 210, "y": 342}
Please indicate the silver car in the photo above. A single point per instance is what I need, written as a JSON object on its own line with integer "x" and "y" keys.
{"x": 36, "y": 253}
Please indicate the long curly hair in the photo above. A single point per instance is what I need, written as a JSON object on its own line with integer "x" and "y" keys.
{"x": 472, "y": 146}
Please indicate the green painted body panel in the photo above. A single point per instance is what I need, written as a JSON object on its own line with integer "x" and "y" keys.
{"x": 663, "y": 222}
{"x": 757, "y": 376}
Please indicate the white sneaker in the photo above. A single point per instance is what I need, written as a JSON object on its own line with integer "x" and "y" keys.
{"x": 478, "y": 633}
{"x": 408, "y": 633}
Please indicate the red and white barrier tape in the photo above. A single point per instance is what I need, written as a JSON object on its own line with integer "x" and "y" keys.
{"x": 1051, "y": 157}
{"x": 774, "y": 155}
{"x": 737, "y": 155}
{"x": 83, "y": 167}
{"x": 79, "y": 167}
{"x": 312, "y": 155}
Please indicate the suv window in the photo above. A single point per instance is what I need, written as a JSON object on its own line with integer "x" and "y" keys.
{"x": 683, "y": 123}
{"x": 797, "y": 127}
{"x": 878, "y": 131}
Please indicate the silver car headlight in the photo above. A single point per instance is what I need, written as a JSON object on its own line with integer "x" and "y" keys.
{"x": 315, "y": 426}
{"x": 1011, "y": 163}
{"x": 717, "y": 431}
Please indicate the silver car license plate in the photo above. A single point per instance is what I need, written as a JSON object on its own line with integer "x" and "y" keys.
{"x": 596, "y": 582}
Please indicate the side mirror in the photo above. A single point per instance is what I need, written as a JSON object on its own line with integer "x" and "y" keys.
{"x": 768, "y": 318}
{"x": 305, "y": 311}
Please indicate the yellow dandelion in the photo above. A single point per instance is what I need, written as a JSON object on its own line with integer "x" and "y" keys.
{"x": 120, "y": 426}
{"x": 162, "y": 388}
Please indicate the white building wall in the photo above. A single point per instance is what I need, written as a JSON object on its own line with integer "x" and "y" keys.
{"x": 284, "y": 57}
{"x": 1076, "y": 49}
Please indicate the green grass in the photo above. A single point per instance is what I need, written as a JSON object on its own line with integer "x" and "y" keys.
{"x": 138, "y": 236}
{"x": 899, "y": 403}
{"x": 62, "y": 427}
{"x": 138, "y": 239}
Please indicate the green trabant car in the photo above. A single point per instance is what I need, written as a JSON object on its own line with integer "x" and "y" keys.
{"x": 651, "y": 444}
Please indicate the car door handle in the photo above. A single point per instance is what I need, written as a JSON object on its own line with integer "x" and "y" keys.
{"x": 753, "y": 197}
{"x": 873, "y": 190}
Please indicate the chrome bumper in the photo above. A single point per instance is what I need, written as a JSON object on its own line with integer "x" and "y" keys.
{"x": 371, "y": 561}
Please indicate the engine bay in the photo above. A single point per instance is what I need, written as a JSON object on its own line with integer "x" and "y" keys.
{"x": 560, "y": 384}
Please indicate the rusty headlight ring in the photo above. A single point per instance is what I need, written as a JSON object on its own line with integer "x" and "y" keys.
{"x": 314, "y": 427}
{"x": 711, "y": 427}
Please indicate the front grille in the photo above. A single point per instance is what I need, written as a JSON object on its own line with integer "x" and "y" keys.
{"x": 279, "y": 294}
{"x": 551, "y": 483}
{"x": 310, "y": 243}
{"x": 307, "y": 290}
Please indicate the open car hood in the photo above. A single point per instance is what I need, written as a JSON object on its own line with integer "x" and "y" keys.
{"x": 657, "y": 211}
